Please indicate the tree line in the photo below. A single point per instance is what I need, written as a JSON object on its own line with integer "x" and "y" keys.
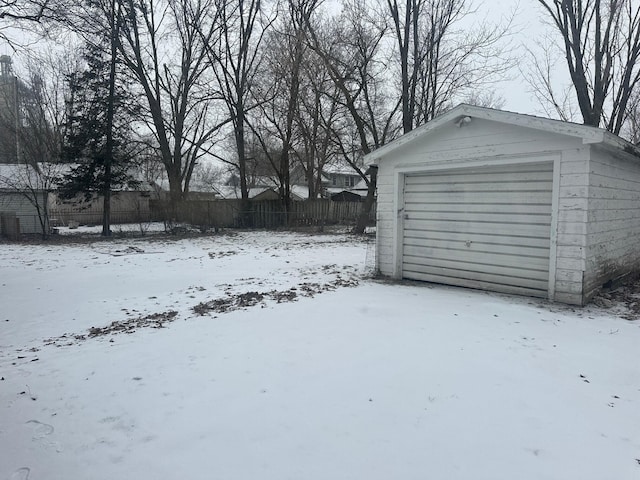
{"x": 288, "y": 87}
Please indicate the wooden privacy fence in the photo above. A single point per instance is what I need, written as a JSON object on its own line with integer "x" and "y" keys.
{"x": 262, "y": 214}
{"x": 62, "y": 217}
{"x": 9, "y": 226}
{"x": 126, "y": 207}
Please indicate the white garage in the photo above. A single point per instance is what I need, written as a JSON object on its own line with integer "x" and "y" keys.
{"x": 511, "y": 203}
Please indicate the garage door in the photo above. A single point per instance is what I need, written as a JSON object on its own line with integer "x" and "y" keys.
{"x": 487, "y": 227}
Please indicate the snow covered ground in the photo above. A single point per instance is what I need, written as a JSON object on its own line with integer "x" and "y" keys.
{"x": 262, "y": 355}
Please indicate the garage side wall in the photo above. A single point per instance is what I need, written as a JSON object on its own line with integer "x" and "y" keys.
{"x": 571, "y": 233}
{"x": 613, "y": 228}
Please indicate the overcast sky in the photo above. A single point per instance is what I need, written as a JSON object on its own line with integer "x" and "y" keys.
{"x": 527, "y": 27}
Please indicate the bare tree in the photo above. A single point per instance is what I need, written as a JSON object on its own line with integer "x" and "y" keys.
{"x": 235, "y": 60}
{"x": 540, "y": 74}
{"x": 601, "y": 44}
{"x": 163, "y": 45}
{"x": 26, "y": 10}
{"x": 319, "y": 111}
{"x": 33, "y": 183}
{"x": 350, "y": 50}
{"x": 35, "y": 127}
{"x": 439, "y": 61}
{"x": 274, "y": 122}
{"x": 114, "y": 22}
{"x": 208, "y": 176}
{"x": 407, "y": 34}
{"x": 24, "y": 23}
{"x": 406, "y": 70}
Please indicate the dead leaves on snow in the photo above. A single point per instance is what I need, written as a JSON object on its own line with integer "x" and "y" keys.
{"x": 228, "y": 303}
{"x": 154, "y": 320}
{"x": 249, "y": 299}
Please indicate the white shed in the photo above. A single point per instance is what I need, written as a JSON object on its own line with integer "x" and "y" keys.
{"x": 512, "y": 203}
{"x": 23, "y": 199}
{"x": 21, "y": 206}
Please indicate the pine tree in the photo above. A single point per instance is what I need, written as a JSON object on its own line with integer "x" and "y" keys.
{"x": 99, "y": 132}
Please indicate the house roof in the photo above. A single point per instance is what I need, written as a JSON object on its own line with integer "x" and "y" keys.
{"x": 464, "y": 113}
{"x": 18, "y": 176}
{"x": 22, "y": 176}
{"x": 339, "y": 169}
{"x": 233, "y": 193}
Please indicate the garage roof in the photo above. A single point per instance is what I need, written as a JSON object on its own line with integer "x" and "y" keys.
{"x": 464, "y": 113}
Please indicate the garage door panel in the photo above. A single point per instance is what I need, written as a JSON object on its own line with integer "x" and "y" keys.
{"x": 415, "y": 226}
{"x": 524, "y": 271}
{"x": 506, "y": 168}
{"x": 489, "y": 226}
{"x": 480, "y": 176}
{"x": 443, "y": 247}
{"x": 482, "y": 285}
{"x": 501, "y": 242}
{"x": 501, "y": 218}
{"x": 454, "y": 276}
{"x": 471, "y": 197}
{"x": 476, "y": 187}
{"x": 526, "y": 208}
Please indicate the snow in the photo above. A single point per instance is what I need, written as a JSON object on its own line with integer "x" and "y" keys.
{"x": 375, "y": 381}
{"x": 125, "y": 228}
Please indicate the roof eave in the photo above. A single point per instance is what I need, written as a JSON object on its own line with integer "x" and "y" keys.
{"x": 588, "y": 135}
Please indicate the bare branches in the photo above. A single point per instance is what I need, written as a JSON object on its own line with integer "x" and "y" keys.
{"x": 601, "y": 44}
{"x": 164, "y": 47}
{"x": 30, "y": 10}
{"x": 455, "y": 63}
{"x": 31, "y": 133}
{"x": 541, "y": 79}
{"x": 234, "y": 57}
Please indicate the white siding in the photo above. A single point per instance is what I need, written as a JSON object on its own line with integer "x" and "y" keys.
{"x": 595, "y": 214}
{"x": 13, "y": 202}
{"x": 571, "y": 228}
{"x": 480, "y": 139}
{"x": 481, "y": 142}
{"x": 613, "y": 219}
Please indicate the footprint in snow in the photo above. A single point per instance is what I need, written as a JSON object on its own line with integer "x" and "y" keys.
{"x": 40, "y": 430}
{"x": 21, "y": 474}
{"x": 40, "y": 433}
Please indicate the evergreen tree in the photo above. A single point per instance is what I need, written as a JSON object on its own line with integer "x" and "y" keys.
{"x": 98, "y": 132}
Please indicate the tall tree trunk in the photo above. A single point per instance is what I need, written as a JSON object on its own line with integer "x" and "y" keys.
{"x": 369, "y": 200}
{"x": 245, "y": 205}
{"x": 108, "y": 157}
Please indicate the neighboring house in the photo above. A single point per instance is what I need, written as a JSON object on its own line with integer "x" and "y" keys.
{"x": 361, "y": 188}
{"x": 341, "y": 177}
{"x": 260, "y": 188}
{"x": 335, "y": 179}
{"x": 346, "y": 196}
{"x": 128, "y": 205}
{"x": 507, "y": 202}
{"x": 16, "y": 205}
{"x": 24, "y": 197}
{"x": 229, "y": 192}
{"x": 341, "y": 182}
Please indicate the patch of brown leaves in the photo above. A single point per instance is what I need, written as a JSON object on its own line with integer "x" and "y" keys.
{"x": 249, "y": 299}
